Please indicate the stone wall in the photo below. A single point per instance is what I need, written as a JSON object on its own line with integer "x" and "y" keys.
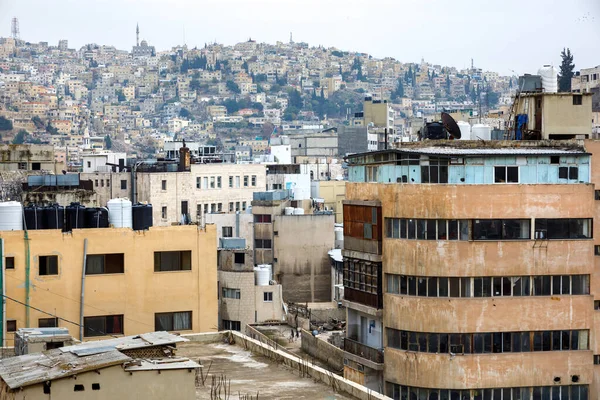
{"x": 322, "y": 350}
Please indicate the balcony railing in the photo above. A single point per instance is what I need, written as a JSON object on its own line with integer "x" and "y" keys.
{"x": 364, "y": 351}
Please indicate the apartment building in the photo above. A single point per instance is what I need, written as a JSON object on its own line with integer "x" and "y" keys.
{"x": 160, "y": 279}
{"x": 473, "y": 266}
{"x": 32, "y": 157}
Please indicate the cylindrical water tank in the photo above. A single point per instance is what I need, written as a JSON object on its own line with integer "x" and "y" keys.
{"x": 339, "y": 233}
{"x": 120, "y": 213}
{"x": 549, "y": 76}
{"x": 465, "y": 130}
{"x": 269, "y": 268}
{"x": 298, "y": 211}
{"x": 142, "y": 216}
{"x": 96, "y": 218}
{"x": 289, "y": 211}
{"x": 11, "y": 216}
{"x": 54, "y": 217}
{"x": 74, "y": 217}
{"x": 481, "y": 131}
{"x": 261, "y": 276}
{"x": 34, "y": 217}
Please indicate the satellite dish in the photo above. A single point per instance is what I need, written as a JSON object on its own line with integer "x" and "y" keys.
{"x": 451, "y": 126}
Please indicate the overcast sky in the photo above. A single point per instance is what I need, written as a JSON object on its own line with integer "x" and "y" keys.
{"x": 501, "y": 36}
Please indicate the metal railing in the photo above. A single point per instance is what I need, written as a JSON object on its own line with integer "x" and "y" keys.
{"x": 364, "y": 351}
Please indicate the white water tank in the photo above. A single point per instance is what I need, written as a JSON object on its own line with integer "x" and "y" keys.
{"x": 339, "y": 233}
{"x": 298, "y": 211}
{"x": 261, "y": 276}
{"x": 465, "y": 130}
{"x": 289, "y": 211}
{"x": 481, "y": 131}
{"x": 269, "y": 268}
{"x": 119, "y": 213}
{"x": 549, "y": 76}
{"x": 249, "y": 210}
{"x": 11, "y": 216}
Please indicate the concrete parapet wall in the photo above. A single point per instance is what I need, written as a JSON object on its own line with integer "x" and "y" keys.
{"x": 322, "y": 350}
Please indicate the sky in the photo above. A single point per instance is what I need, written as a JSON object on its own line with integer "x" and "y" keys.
{"x": 506, "y": 36}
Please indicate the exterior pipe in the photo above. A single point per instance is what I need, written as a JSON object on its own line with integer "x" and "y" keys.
{"x": 3, "y": 277}
{"x": 82, "y": 290}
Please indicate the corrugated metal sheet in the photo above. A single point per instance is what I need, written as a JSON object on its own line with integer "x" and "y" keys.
{"x": 128, "y": 342}
{"x": 53, "y": 180}
{"x": 164, "y": 364}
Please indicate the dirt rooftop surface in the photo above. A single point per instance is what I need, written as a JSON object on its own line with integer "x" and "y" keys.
{"x": 248, "y": 374}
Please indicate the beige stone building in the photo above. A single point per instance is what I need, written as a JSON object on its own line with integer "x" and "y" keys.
{"x": 473, "y": 266}
{"x": 29, "y": 157}
{"x": 160, "y": 279}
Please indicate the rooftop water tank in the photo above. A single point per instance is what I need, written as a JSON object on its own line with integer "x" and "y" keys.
{"x": 549, "y": 76}
{"x": 261, "y": 275}
{"x": 481, "y": 131}
{"x": 54, "y": 217}
{"x": 339, "y": 233}
{"x": 74, "y": 216}
{"x": 289, "y": 211}
{"x": 120, "y": 213}
{"x": 11, "y": 216}
{"x": 465, "y": 130}
{"x": 298, "y": 211}
{"x": 142, "y": 216}
{"x": 34, "y": 217}
{"x": 96, "y": 217}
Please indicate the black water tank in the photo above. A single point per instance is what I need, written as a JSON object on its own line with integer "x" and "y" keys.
{"x": 142, "y": 216}
{"x": 434, "y": 131}
{"x": 96, "y": 218}
{"x": 34, "y": 217}
{"x": 54, "y": 217}
{"x": 74, "y": 217}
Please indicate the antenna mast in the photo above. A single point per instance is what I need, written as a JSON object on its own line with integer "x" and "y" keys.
{"x": 14, "y": 28}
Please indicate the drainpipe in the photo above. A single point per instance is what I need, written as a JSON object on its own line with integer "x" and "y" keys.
{"x": 237, "y": 224}
{"x": 27, "y": 272}
{"x": 82, "y": 290}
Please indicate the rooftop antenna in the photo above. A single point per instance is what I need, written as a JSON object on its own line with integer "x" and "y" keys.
{"x": 137, "y": 34}
{"x": 291, "y": 40}
{"x": 14, "y": 28}
{"x": 471, "y": 64}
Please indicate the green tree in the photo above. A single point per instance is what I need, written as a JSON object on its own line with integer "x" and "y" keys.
{"x": 20, "y": 137}
{"x": 399, "y": 91}
{"x": 120, "y": 96}
{"x": 185, "y": 113}
{"x": 5, "y": 124}
{"x": 290, "y": 113}
{"x": 51, "y": 129}
{"x": 37, "y": 122}
{"x": 275, "y": 88}
{"x": 566, "y": 71}
{"x": 232, "y": 87}
{"x": 194, "y": 84}
{"x": 295, "y": 99}
{"x": 107, "y": 142}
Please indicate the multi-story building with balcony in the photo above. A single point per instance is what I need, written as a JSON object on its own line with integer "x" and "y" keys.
{"x": 473, "y": 266}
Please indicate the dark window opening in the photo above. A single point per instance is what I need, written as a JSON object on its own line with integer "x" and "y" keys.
{"x": 268, "y": 296}
{"x": 565, "y": 228}
{"x": 11, "y": 325}
{"x": 36, "y": 166}
{"x": 173, "y": 321}
{"x": 123, "y": 184}
{"x": 262, "y": 244}
{"x": 262, "y": 218}
{"x": 232, "y": 325}
{"x": 48, "y": 265}
{"x": 172, "y": 261}
{"x": 163, "y": 184}
{"x": 506, "y": 174}
{"x": 501, "y": 229}
{"x": 95, "y": 386}
{"x": 554, "y": 159}
{"x": 48, "y": 322}
{"x": 78, "y": 388}
{"x": 227, "y": 231}
{"x": 105, "y": 264}
{"x": 9, "y": 263}
{"x": 103, "y": 325}
{"x": 239, "y": 258}
{"x": 47, "y": 387}
{"x": 577, "y": 99}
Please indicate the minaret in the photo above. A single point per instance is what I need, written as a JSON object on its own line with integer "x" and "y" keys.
{"x": 291, "y": 41}
{"x": 137, "y": 34}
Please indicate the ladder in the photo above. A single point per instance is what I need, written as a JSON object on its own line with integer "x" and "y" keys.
{"x": 510, "y": 128}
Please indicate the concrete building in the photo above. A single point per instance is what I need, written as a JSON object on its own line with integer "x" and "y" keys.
{"x": 289, "y": 177}
{"x": 29, "y": 157}
{"x": 516, "y": 315}
{"x": 333, "y": 194}
{"x": 556, "y": 115}
{"x": 134, "y": 367}
{"x": 586, "y": 80}
{"x": 322, "y": 144}
{"x": 103, "y": 162}
{"x": 163, "y": 278}
{"x": 296, "y": 246}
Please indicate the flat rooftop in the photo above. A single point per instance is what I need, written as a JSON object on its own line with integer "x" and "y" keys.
{"x": 249, "y": 374}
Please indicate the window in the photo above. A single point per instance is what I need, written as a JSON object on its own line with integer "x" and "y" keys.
{"x": 219, "y": 207}
{"x": 198, "y": 182}
{"x": 371, "y": 174}
{"x": 231, "y": 325}
{"x": 364, "y": 276}
{"x": 227, "y": 231}
{"x": 237, "y": 181}
{"x": 78, "y": 388}
{"x": 123, "y": 184}
{"x": 268, "y": 296}
{"x": 253, "y": 180}
{"x": 205, "y": 182}
{"x": 506, "y": 174}
{"x": 571, "y": 173}
{"x": 427, "y": 229}
{"x": 262, "y": 218}
{"x": 48, "y": 322}
{"x": 218, "y": 182}
{"x": 501, "y": 229}
{"x": 103, "y": 325}
{"x": 9, "y": 263}
{"x": 579, "y": 392}
{"x": 262, "y": 244}
{"x": 596, "y": 359}
{"x": 89, "y": 164}
{"x": 237, "y": 206}
{"x": 212, "y": 182}
{"x": 22, "y": 165}
{"x": 231, "y": 181}
{"x": 243, "y": 206}
{"x": 163, "y": 212}
{"x": 245, "y": 180}
{"x": 163, "y": 184}
{"x": 96, "y": 182}
{"x": 105, "y": 264}
{"x": 48, "y": 265}
{"x": 239, "y": 258}
{"x": 434, "y": 174}
{"x": 172, "y": 261}
{"x": 11, "y": 325}
{"x": 231, "y": 206}
{"x": 173, "y": 321}
{"x": 95, "y": 386}
{"x": 231, "y": 293}
{"x": 36, "y": 166}
{"x": 565, "y": 228}
{"x": 577, "y": 99}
